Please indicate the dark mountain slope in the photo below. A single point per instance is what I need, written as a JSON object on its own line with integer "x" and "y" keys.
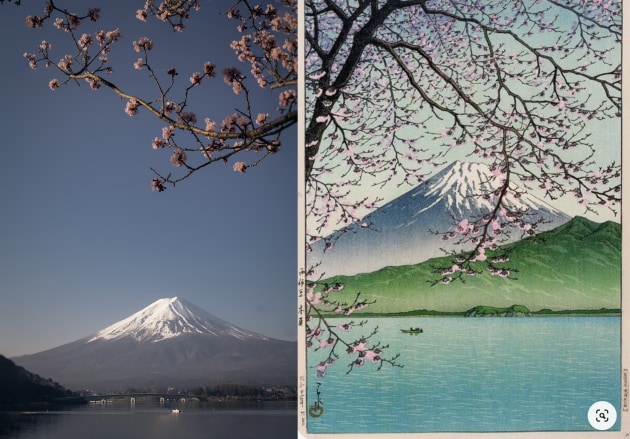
{"x": 18, "y": 386}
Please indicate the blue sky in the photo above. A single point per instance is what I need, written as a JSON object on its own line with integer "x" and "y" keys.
{"x": 83, "y": 240}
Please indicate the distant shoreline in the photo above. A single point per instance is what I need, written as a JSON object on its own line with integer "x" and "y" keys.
{"x": 602, "y": 312}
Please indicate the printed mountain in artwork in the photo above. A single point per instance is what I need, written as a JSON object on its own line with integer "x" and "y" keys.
{"x": 169, "y": 343}
{"x": 399, "y": 231}
{"x": 576, "y": 266}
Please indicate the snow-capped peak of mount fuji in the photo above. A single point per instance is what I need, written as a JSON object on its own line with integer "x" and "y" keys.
{"x": 168, "y": 318}
{"x": 461, "y": 187}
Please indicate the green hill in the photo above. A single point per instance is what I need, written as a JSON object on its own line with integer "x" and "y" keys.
{"x": 576, "y": 266}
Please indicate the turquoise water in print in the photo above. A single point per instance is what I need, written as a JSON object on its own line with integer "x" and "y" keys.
{"x": 474, "y": 375}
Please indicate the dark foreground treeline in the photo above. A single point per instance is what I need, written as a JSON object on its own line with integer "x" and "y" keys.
{"x": 21, "y": 388}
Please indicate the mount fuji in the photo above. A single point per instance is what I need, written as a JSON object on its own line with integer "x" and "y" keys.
{"x": 399, "y": 231}
{"x": 169, "y": 343}
{"x": 168, "y": 318}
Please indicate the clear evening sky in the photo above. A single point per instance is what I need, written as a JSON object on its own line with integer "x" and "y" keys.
{"x": 84, "y": 242}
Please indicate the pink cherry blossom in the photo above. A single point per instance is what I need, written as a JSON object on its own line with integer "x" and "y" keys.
{"x": 44, "y": 46}
{"x": 169, "y": 107}
{"x": 65, "y": 63}
{"x": 34, "y": 22}
{"x": 359, "y": 346}
{"x": 32, "y": 60}
{"x": 188, "y": 117}
{"x": 157, "y": 184}
{"x": 95, "y": 84}
{"x": 85, "y": 41}
{"x": 142, "y": 43}
{"x": 322, "y": 366}
{"x": 209, "y": 69}
{"x": 287, "y": 97}
{"x": 328, "y": 342}
{"x": 132, "y": 107}
{"x": 141, "y": 14}
{"x": 373, "y": 355}
{"x": 168, "y": 132}
{"x": 210, "y": 125}
{"x": 94, "y": 13}
{"x": 262, "y": 118}
{"x": 179, "y": 157}
{"x": 481, "y": 255}
{"x": 195, "y": 79}
{"x": 231, "y": 74}
{"x": 241, "y": 167}
{"x": 114, "y": 36}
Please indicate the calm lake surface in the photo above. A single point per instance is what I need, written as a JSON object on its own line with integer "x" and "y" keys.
{"x": 150, "y": 420}
{"x": 474, "y": 375}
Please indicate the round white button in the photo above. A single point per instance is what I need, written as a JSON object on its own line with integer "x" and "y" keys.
{"x": 602, "y": 415}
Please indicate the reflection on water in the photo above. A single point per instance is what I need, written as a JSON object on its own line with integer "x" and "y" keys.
{"x": 151, "y": 420}
{"x": 15, "y": 424}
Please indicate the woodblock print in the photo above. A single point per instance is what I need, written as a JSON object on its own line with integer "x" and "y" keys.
{"x": 478, "y": 182}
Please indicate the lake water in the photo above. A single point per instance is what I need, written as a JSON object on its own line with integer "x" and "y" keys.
{"x": 474, "y": 375}
{"x": 150, "y": 420}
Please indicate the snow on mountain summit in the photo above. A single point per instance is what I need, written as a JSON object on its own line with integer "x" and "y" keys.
{"x": 168, "y": 318}
{"x": 461, "y": 186}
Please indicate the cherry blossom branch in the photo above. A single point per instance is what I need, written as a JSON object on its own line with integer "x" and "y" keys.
{"x": 321, "y": 334}
{"x": 244, "y": 131}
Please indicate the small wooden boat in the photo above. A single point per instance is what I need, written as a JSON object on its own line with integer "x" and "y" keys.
{"x": 412, "y": 331}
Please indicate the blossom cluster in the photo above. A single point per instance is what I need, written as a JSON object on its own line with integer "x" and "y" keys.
{"x": 262, "y": 49}
{"x": 172, "y": 12}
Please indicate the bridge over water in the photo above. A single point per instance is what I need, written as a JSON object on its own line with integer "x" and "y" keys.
{"x": 133, "y": 397}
